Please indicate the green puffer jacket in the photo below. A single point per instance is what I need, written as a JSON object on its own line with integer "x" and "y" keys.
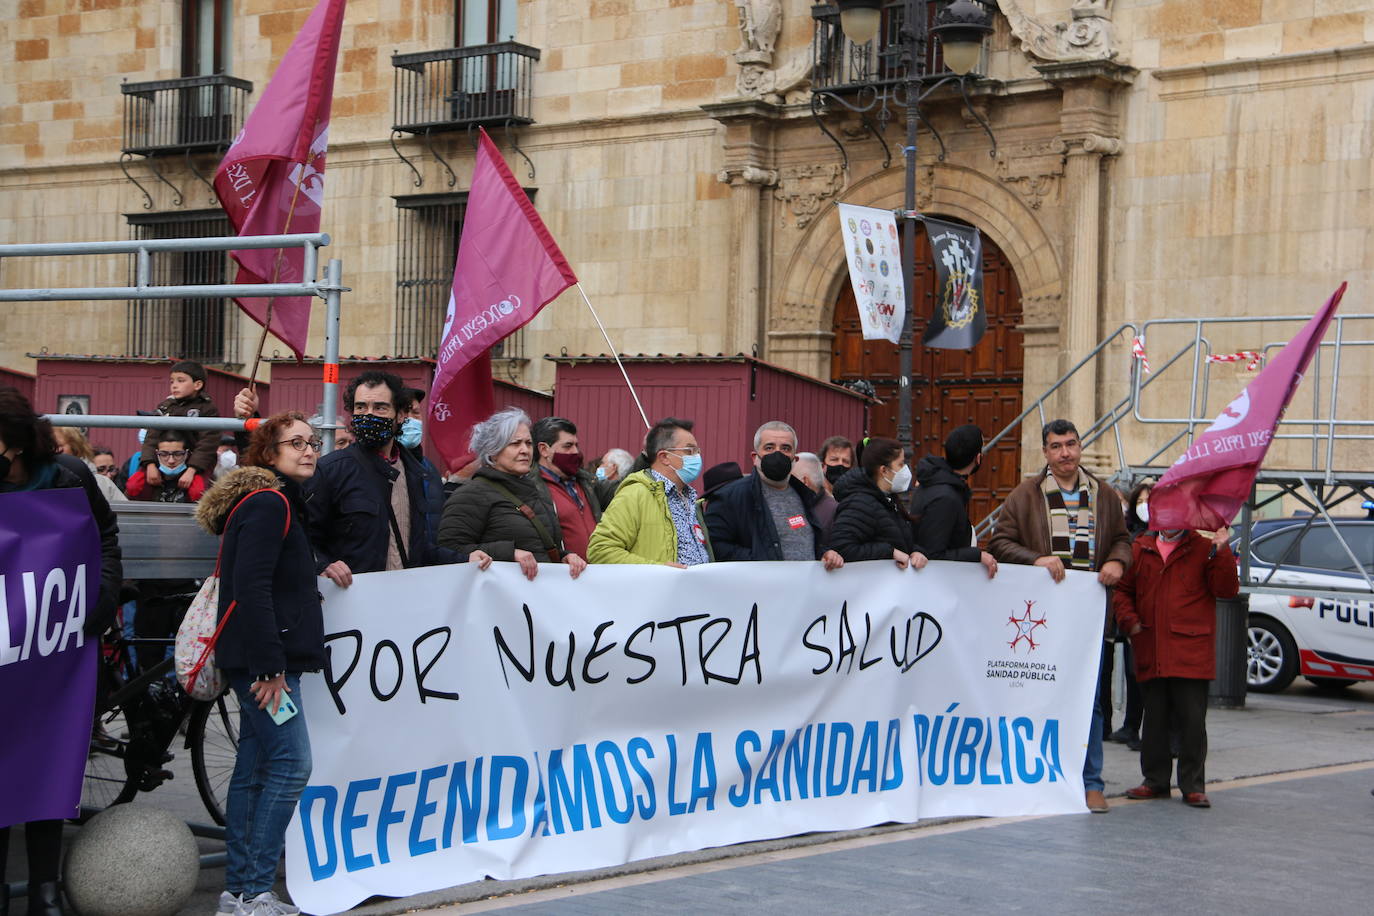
{"x": 480, "y": 517}
{"x": 637, "y": 526}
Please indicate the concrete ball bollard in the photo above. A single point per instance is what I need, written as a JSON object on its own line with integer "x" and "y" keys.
{"x": 131, "y": 860}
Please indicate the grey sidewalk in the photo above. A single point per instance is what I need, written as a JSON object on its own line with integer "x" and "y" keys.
{"x": 1297, "y": 730}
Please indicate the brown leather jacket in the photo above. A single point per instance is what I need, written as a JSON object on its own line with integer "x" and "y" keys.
{"x": 1022, "y": 533}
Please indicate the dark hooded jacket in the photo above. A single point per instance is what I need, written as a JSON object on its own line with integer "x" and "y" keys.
{"x": 940, "y": 508}
{"x": 869, "y": 524}
{"x": 205, "y": 444}
{"x": 267, "y": 574}
{"x": 68, "y": 472}
{"x": 348, "y": 508}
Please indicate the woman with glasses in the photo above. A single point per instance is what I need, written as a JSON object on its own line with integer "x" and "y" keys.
{"x": 273, "y": 632}
{"x": 501, "y": 512}
{"x": 178, "y": 481}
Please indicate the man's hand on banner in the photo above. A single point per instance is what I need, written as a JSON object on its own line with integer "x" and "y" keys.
{"x": 903, "y": 560}
{"x": 481, "y": 558}
{"x": 1110, "y": 573}
{"x": 339, "y": 573}
{"x": 676, "y": 565}
{"x": 989, "y": 563}
{"x": 528, "y": 564}
{"x": 1054, "y": 565}
{"x": 575, "y": 565}
{"x": 831, "y": 560}
{"x": 269, "y": 693}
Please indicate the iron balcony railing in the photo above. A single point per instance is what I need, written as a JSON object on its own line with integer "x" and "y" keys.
{"x": 456, "y": 88}
{"x": 838, "y": 65}
{"x": 188, "y": 115}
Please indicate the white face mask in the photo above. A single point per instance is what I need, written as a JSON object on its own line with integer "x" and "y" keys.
{"x": 228, "y": 461}
{"x": 1142, "y": 511}
{"x": 901, "y": 481}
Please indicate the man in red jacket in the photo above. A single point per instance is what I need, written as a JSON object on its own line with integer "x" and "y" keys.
{"x": 1166, "y": 603}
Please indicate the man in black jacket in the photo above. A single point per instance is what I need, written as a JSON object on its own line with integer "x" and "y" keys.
{"x": 940, "y": 506}
{"x": 365, "y": 506}
{"x": 768, "y": 515}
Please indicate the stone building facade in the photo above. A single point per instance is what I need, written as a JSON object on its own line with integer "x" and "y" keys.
{"x": 1153, "y": 159}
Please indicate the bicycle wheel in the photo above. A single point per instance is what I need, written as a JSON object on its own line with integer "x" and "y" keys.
{"x": 107, "y": 780}
{"x": 213, "y": 737}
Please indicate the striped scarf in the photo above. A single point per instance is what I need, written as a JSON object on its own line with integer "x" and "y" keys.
{"x": 1071, "y": 536}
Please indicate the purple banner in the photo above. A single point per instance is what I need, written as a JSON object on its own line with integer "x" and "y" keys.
{"x": 49, "y": 582}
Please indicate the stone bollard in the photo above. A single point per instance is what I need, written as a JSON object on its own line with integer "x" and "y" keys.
{"x": 131, "y": 860}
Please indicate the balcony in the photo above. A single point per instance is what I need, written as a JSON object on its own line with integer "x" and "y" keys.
{"x": 182, "y": 116}
{"x": 458, "y": 88}
{"x": 840, "y": 66}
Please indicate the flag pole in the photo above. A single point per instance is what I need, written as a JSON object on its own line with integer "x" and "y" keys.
{"x": 614, "y": 353}
{"x": 276, "y": 272}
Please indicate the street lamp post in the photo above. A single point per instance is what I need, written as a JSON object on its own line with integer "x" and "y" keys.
{"x": 960, "y": 26}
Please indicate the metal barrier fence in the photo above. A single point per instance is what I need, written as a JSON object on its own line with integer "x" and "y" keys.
{"x": 330, "y": 290}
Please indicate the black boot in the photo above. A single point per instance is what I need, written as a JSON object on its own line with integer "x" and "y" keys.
{"x": 45, "y": 899}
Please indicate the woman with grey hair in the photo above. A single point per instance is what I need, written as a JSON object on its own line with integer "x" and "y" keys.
{"x": 501, "y": 510}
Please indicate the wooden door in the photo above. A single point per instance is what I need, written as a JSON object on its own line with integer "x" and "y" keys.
{"x": 949, "y": 387}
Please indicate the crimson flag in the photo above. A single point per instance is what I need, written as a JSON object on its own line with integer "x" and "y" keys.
{"x": 271, "y": 181}
{"x": 509, "y": 267}
{"x": 1209, "y": 482}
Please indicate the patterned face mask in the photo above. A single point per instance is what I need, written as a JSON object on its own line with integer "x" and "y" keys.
{"x": 372, "y": 431}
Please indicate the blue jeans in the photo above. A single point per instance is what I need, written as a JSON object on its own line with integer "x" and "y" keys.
{"x": 270, "y": 773}
{"x": 1092, "y": 761}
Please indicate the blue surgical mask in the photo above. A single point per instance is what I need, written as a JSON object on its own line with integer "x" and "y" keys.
{"x": 691, "y": 468}
{"x": 412, "y": 430}
{"x": 170, "y": 472}
{"x": 601, "y": 473}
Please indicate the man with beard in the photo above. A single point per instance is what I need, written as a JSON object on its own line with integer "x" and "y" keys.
{"x": 560, "y": 474}
{"x": 365, "y": 506}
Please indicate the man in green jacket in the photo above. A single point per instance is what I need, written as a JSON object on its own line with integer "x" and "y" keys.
{"x": 654, "y": 517}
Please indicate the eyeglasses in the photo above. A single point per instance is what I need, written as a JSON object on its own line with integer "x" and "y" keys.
{"x": 686, "y": 450}
{"x": 106, "y": 469}
{"x": 299, "y": 443}
{"x": 177, "y": 454}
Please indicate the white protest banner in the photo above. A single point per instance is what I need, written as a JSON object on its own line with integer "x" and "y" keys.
{"x": 474, "y": 723}
{"x": 874, "y": 252}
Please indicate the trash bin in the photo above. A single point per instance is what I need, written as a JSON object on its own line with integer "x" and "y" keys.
{"x": 1227, "y": 691}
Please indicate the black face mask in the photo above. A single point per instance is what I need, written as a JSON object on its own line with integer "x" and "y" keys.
{"x": 834, "y": 472}
{"x": 775, "y": 466}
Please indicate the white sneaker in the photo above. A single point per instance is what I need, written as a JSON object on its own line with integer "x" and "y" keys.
{"x": 228, "y": 904}
{"x": 265, "y": 904}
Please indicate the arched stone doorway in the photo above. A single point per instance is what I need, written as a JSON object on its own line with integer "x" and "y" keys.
{"x": 949, "y": 387}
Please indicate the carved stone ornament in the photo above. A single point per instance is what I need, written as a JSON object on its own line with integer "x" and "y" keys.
{"x": 1088, "y": 36}
{"x": 1034, "y": 167}
{"x": 747, "y": 174}
{"x": 925, "y": 186}
{"x": 760, "y": 22}
{"x": 806, "y": 188}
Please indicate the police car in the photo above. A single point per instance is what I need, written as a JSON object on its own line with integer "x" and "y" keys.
{"x": 1328, "y": 641}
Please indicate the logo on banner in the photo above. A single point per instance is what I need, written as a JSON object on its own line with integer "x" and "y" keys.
{"x": 960, "y": 302}
{"x": 308, "y": 176}
{"x": 1026, "y": 626}
{"x": 442, "y": 411}
{"x": 1234, "y": 413}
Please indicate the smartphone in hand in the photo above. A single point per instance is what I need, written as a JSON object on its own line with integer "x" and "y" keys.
{"x": 285, "y": 710}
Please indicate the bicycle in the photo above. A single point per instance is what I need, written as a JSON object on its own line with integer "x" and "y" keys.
{"x": 135, "y": 723}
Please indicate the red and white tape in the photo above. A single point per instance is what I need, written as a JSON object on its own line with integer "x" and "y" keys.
{"x": 1138, "y": 349}
{"x": 1249, "y": 357}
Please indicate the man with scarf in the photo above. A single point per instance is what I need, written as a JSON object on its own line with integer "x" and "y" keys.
{"x": 769, "y": 515}
{"x": 365, "y": 505}
{"x": 571, "y": 489}
{"x": 1065, "y": 518}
